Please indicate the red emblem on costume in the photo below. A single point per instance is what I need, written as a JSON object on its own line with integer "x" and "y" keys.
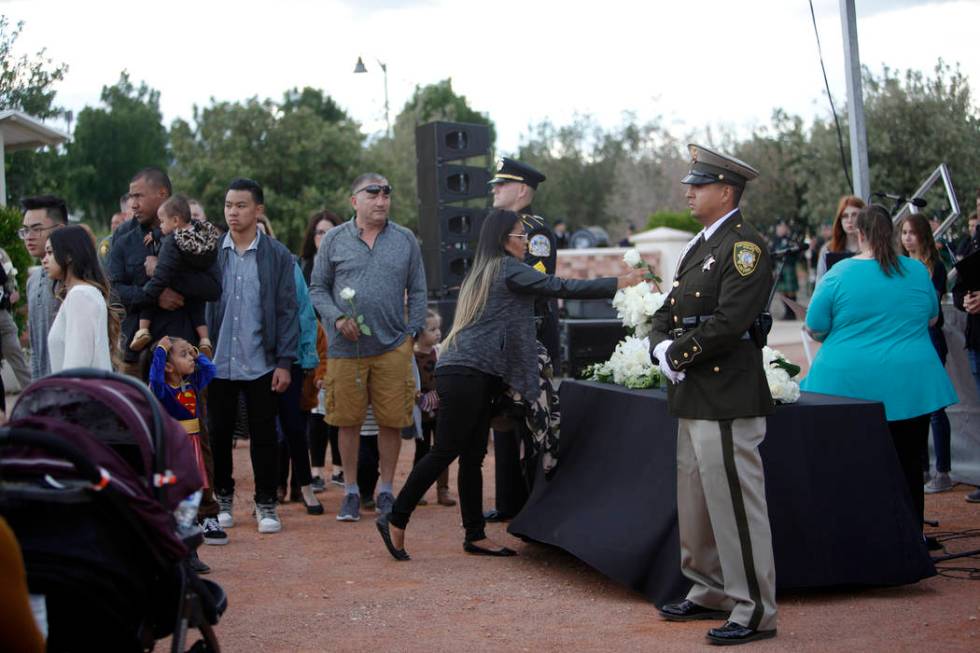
{"x": 188, "y": 399}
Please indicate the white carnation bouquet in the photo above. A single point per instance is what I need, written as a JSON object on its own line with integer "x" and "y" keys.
{"x": 630, "y": 365}
{"x": 636, "y": 305}
{"x": 779, "y": 374}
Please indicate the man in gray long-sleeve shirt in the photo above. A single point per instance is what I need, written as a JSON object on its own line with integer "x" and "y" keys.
{"x": 370, "y": 360}
{"x": 42, "y": 214}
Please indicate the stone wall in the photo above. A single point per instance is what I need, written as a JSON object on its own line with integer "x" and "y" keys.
{"x": 599, "y": 262}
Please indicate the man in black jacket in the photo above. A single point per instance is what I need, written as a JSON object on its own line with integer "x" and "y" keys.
{"x": 128, "y": 258}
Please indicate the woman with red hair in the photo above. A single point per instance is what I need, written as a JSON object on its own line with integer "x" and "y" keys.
{"x": 844, "y": 237}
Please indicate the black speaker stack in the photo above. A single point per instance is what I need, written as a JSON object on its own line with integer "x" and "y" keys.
{"x": 452, "y": 195}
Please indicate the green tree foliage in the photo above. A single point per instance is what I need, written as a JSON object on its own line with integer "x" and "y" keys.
{"x": 605, "y": 177}
{"x": 113, "y": 142}
{"x": 579, "y": 161}
{"x": 914, "y": 121}
{"x": 394, "y": 156}
{"x": 305, "y": 151}
{"x": 28, "y": 84}
{"x": 10, "y": 222}
{"x": 681, "y": 220}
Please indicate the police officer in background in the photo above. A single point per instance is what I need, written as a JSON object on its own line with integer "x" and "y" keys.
{"x": 708, "y": 338}
{"x": 513, "y": 187}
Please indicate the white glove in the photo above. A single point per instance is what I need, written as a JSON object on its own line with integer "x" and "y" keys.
{"x": 660, "y": 353}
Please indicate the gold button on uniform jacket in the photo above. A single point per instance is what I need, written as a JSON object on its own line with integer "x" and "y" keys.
{"x": 721, "y": 286}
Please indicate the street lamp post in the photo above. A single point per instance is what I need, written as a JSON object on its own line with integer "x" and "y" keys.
{"x": 361, "y": 68}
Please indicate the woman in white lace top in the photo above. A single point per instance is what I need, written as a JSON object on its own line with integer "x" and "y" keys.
{"x": 81, "y": 333}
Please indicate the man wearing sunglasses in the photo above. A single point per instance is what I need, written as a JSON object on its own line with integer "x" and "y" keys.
{"x": 513, "y": 187}
{"x": 371, "y": 334}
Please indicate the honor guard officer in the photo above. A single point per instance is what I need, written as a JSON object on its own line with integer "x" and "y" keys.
{"x": 513, "y": 187}
{"x": 708, "y": 338}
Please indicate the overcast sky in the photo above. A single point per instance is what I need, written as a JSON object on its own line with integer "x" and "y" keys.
{"x": 710, "y": 62}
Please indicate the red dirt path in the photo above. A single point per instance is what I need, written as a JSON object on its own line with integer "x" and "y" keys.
{"x": 322, "y": 585}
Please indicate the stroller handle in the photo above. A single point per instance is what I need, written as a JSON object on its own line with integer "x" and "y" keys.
{"x": 41, "y": 440}
{"x": 160, "y": 459}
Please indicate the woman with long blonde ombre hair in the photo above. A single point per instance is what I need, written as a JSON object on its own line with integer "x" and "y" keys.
{"x": 491, "y": 346}
{"x": 916, "y": 241}
{"x": 86, "y": 327}
{"x": 843, "y": 236}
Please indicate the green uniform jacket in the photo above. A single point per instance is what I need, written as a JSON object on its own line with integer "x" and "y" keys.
{"x": 727, "y": 278}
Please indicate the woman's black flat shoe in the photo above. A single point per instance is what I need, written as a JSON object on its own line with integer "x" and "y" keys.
{"x": 502, "y": 552}
{"x": 315, "y": 509}
{"x": 382, "y": 524}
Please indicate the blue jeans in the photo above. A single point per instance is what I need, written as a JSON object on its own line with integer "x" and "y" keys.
{"x": 974, "y": 356}
{"x": 938, "y": 420}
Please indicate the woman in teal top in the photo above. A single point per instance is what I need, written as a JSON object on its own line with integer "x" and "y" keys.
{"x": 872, "y": 312}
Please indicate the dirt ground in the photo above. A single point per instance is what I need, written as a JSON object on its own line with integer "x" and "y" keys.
{"x": 323, "y": 585}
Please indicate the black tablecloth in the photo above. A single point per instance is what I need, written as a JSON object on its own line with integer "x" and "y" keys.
{"x": 838, "y": 506}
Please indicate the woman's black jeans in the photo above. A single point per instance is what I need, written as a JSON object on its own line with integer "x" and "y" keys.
{"x": 462, "y": 431}
{"x": 293, "y": 421}
{"x": 909, "y": 437}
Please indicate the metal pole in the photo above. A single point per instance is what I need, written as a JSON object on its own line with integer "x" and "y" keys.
{"x": 3, "y": 172}
{"x": 855, "y": 101}
{"x": 384, "y": 69}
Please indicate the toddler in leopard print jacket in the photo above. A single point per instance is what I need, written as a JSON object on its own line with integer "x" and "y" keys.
{"x": 186, "y": 263}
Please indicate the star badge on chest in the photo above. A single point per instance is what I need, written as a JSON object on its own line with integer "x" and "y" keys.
{"x": 708, "y": 262}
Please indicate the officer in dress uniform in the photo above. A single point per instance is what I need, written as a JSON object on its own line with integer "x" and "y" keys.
{"x": 513, "y": 187}
{"x": 708, "y": 338}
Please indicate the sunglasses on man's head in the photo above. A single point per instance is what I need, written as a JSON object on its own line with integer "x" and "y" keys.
{"x": 374, "y": 189}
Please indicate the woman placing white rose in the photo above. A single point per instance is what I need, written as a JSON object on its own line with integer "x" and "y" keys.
{"x": 491, "y": 345}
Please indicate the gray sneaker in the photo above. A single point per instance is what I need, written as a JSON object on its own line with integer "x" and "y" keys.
{"x": 267, "y": 518}
{"x": 225, "y": 504}
{"x": 939, "y": 483}
{"x": 350, "y": 509}
{"x": 385, "y": 502}
{"x": 974, "y": 497}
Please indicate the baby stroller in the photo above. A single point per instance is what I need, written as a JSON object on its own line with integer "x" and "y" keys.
{"x": 91, "y": 472}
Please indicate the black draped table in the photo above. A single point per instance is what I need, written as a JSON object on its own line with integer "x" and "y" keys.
{"x": 838, "y": 506}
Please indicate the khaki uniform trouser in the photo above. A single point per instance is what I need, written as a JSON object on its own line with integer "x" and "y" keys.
{"x": 726, "y": 544}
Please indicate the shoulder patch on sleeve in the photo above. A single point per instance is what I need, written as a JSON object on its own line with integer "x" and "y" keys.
{"x": 539, "y": 266}
{"x": 539, "y": 245}
{"x": 746, "y": 257}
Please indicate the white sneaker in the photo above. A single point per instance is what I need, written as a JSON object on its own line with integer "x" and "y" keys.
{"x": 941, "y": 482}
{"x": 267, "y": 518}
{"x": 225, "y": 503}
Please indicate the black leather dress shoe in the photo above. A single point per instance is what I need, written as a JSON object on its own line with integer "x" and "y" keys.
{"x": 732, "y": 633}
{"x": 494, "y": 516}
{"x": 690, "y": 611}
{"x": 398, "y": 554}
{"x": 475, "y": 549}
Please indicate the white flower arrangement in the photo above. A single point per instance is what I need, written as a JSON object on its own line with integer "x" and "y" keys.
{"x": 347, "y": 294}
{"x": 630, "y": 365}
{"x": 636, "y": 305}
{"x": 779, "y": 374}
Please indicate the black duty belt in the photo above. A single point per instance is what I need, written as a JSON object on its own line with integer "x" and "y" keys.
{"x": 692, "y": 322}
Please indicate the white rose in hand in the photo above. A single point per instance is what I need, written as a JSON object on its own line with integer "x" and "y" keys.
{"x": 347, "y": 294}
{"x": 632, "y": 258}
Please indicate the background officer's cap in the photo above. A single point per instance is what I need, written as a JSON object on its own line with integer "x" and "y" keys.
{"x": 710, "y": 167}
{"x": 513, "y": 170}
